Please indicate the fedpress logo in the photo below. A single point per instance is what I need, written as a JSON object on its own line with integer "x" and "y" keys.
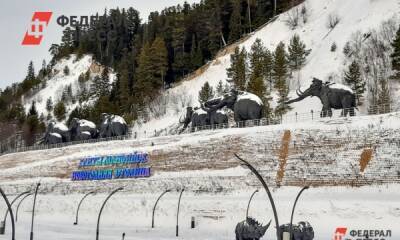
{"x": 39, "y": 22}
{"x": 339, "y": 233}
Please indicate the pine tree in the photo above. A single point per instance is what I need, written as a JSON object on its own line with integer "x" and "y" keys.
{"x": 353, "y": 78}
{"x": 395, "y": 56}
{"x": 297, "y": 53}
{"x": 384, "y": 98}
{"x": 59, "y": 111}
{"x": 147, "y": 84}
{"x": 31, "y": 72}
{"x": 159, "y": 58}
{"x": 256, "y": 84}
{"x": 280, "y": 70}
{"x": 280, "y": 77}
{"x": 237, "y": 72}
{"x": 235, "y": 23}
{"x": 220, "y": 88}
{"x": 32, "y": 125}
{"x": 206, "y": 93}
{"x": 49, "y": 104}
{"x": 268, "y": 67}
{"x": 104, "y": 86}
{"x": 32, "y": 109}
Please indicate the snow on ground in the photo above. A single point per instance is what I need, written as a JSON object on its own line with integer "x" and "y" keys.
{"x": 354, "y": 15}
{"x": 60, "y": 81}
{"x": 370, "y": 207}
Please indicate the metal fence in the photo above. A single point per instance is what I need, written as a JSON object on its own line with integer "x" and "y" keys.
{"x": 9, "y": 147}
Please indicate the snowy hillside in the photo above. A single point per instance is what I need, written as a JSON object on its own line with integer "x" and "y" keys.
{"x": 59, "y": 81}
{"x": 362, "y": 16}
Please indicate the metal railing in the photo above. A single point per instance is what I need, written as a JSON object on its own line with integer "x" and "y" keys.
{"x": 284, "y": 119}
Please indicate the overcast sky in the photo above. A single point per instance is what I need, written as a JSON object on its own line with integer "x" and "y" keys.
{"x": 15, "y": 16}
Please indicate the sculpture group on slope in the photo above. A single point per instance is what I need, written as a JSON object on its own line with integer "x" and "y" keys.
{"x": 245, "y": 106}
{"x": 81, "y": 129}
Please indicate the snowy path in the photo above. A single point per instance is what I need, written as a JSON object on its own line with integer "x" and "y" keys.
{"x": 216, "y": 214}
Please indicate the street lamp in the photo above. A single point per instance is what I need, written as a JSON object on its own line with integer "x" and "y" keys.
{"x": 12, "y": 202}
{"x": 177, "y": 213}
{"x": 11, "y": 213}
{"x": 33, "y": 208}
{"x": 271, "y": 200}
{"x": 155, "y": 205}
{"x": 79, "y": 206}
{"x": 101, "y": 210}
{"x": 16, "y": 213}
{"x": 294, "y": 206}
{"x": 248, "y": 205}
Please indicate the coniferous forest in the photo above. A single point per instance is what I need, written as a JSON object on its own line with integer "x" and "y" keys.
{"x": 148, "y": 56}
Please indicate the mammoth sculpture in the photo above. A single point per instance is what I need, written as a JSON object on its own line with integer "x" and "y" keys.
{"x": 197, "y": 117}
{"x": 200, "y": 117}
{"x": 246, "y": 106}
{"x": 112, "y": 125}
{"x": 250, "y": 229}
{"x": 300, "y": 231}
{"x": 81, "y": 129}
{"x": 54, "y": 132}
{"x": 332, "y": 95}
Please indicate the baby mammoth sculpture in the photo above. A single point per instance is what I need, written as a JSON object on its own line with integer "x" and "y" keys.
{"x": 202, "y": 117}
{"x": 56, "y": 133}
{"x": 250, "y": 229}
{"x": 332, "y": 95}
{"x": 245, "y": 105}
{"x": 81, "y": 129}
{"x": 112, "y": 126}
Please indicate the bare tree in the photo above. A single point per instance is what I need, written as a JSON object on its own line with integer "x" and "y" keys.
{"x": 333, "y": 20}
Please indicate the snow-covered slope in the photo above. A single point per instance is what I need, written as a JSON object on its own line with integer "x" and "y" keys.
{"x": 355, "y": 15}
{"x": 58, "y": 81}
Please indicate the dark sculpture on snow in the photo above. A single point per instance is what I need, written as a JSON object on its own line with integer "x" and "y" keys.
{"x": 246, "y": 106}
{"x": 54, "y": 132}
{"x": 250, "y": 229}
{"x": 81, "y": 129}
{"x": 112, "y": 126}
{"x": 330, "y": 96}
{"x": 300, "y": 231}
{"x": 201, "y": 117}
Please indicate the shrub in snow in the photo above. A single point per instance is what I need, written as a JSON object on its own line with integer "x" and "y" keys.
{"x": 333, "y": 47}
{"x": 333, "y": 20}
{"x": 292, "y": 18}
{"x": 66, "y": 70}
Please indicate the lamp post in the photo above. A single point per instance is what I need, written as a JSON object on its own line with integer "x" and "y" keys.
{"x": 11, "y": 213}
{"x": 177, "y": 213}
{"x": 12, "y": 202}
{"x": 16, "y": 213}
{"x": 294, "y": 206}
{"x": 101, "y": 210}
{"x": 248, "y": 205}
{"x": 33, "y": 209}
{"x": 271, "y": 200}
{"x": 155, "y": 205}
{"x": 79, "y": 206}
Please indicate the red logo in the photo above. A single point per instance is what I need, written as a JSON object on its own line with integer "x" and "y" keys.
{"x": 339, "y": 233}
{"x": 34, "y": 35}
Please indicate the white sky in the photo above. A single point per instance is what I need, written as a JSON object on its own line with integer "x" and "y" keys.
{"x": 15, "y": 16}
